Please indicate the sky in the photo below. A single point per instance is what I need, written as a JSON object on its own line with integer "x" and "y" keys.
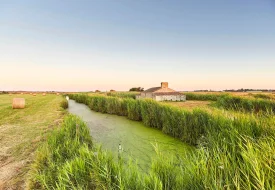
{"x": 85, "y": 45}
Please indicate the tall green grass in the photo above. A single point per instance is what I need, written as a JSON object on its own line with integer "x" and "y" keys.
{"x": 202, "y": 97}
{"x": 262, "y": 96}
{"x": 189, "y": 126}
{"x": 64, "y": 104}
{"x": 261, "y": 106}
{"x": 59, "y": 155}
{"x": 123, "y": 94}
{"x": 70, "y": 160}
{"x": 234, "y": 152}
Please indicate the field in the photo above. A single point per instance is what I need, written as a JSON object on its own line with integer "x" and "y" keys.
{"x": 202, "y": 100}
{"x": 191, "y": 104}
{"x": 234, "y": 139}
{"x": 21, "y": 132}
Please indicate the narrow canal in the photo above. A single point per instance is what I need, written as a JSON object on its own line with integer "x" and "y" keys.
{"x": 136, "y": 140}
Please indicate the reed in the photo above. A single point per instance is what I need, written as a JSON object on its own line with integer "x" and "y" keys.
{"x": 202, "y": 97}
{"x": 188, "y": 126}
{"x": 69, "y": 159}
{"x": 262, "y": 96}
{"x": 123, "y": 94}
{"x": 227, "y": 146}
{"x": 259, "y": 106}
{"x": 263, "y": 104}
{"x": 64, "y": 104}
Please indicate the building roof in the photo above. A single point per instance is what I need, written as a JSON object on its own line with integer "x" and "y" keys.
{"x": 159, "y": 90}
{"x": 166, "y": 93}
{"x": 162, "y": 90}
{"x": 152, "y": 89}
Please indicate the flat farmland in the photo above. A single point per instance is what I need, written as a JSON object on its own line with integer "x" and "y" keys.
{"x": 21, "y": 131}
{"x": 190, "y": 104}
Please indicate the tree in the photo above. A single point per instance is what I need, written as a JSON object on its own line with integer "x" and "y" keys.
{"x": 137, "y": 89}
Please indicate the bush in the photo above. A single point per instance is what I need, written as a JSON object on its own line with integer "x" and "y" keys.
{"x": 64, "y": 104}
{"x": 3, "y": 92}
{"x": 136, "y": 89}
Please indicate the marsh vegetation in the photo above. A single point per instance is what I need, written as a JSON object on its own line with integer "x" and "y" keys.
{"x": 234, "y": 149}
{"x": 229, "y": 149}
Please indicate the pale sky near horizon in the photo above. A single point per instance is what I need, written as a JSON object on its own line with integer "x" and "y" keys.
{"x": 118, "y": 44}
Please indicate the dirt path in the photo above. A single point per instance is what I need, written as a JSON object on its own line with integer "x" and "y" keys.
{"x": 9, "y": 167}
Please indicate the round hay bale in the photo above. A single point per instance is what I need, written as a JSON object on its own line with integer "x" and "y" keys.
{"x": 57, "y": 94}
{"x": 18, "y": 103}
{"x": 44, "y": 94}
{"x": 34, "y": 94}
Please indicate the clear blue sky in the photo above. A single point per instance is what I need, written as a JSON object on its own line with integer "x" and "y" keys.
{"x": 99, "y": 44}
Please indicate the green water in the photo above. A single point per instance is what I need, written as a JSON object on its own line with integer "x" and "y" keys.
{"x": 137, "y": 140}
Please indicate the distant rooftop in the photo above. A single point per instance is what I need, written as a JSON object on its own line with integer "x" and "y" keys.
{"x": 163, "y": 89}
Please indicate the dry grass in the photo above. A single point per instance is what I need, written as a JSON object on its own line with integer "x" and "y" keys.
{"x": 190, "y": 104}
{"x": 21, "y": 131}
{"x": 97, "y": 94}
{"x": 241, "y": 94}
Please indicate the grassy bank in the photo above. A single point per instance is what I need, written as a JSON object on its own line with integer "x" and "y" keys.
{"x": 70, "y": 160}
{"x": 21, "y": 131}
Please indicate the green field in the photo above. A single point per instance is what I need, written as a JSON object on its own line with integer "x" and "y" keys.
{"x": 21, "y": 131}
{"x": 234, "y": 144}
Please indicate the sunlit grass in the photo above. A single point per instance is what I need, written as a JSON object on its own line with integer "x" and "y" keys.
{"x": 22, "y": 130}
{"x": 70, "y": 160}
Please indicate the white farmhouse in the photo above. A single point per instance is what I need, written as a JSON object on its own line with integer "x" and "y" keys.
{"x": 162, "y": 93}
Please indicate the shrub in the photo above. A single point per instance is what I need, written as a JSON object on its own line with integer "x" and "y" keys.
{"x": 64, "y": 104}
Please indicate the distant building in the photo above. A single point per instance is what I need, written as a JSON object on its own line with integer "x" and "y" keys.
{"x": 162, "y": 93}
